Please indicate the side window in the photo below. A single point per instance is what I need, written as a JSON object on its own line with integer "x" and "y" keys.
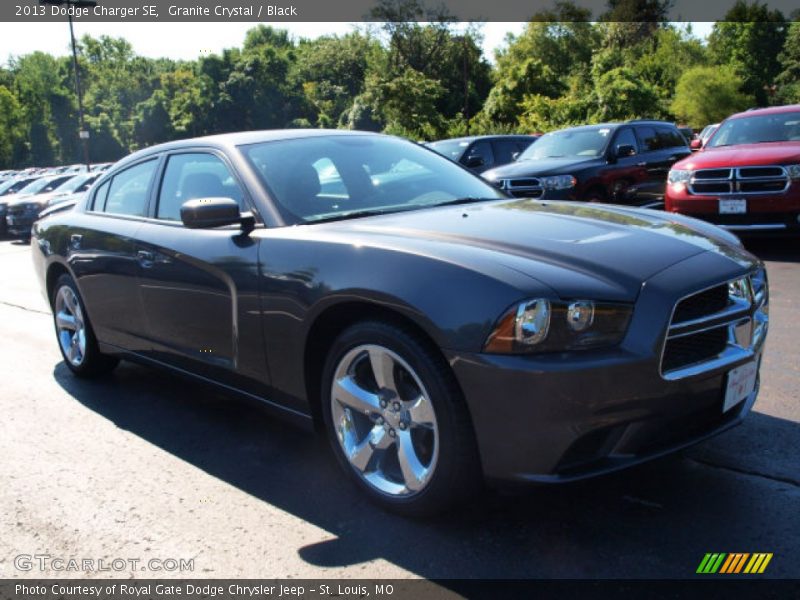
{"x": 504, "y": 151}
{"x": 192, "y": 176}
{"x": 648, "y": 139}
{"x": 670, "y": 138}
{"x": 482, "y": 149}
{"x": 128, "y": 192}
{"x": 625, "y": 137}
{"x": 99, "y": 203}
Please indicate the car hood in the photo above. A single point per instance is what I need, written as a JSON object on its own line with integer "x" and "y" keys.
{"x": 538, "y": 167}
{"x": 573, "y": 248}
{"x": 770, "y": 153}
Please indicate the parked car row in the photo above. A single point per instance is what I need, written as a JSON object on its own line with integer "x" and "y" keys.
{"x": 742, "y": 174}
{"x": 25, "y": 194}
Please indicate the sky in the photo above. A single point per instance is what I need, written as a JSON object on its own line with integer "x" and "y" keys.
{"x": 190, "y": 40}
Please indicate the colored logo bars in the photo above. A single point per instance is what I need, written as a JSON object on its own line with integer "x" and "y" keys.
{"x": 736, "y": 562}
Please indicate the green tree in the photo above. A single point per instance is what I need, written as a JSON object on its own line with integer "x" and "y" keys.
{"x": 11, "y": 129}
{"x": 750, "y": 39}
{"x": 788, "y": 79}
{"x": 709, "y": 94}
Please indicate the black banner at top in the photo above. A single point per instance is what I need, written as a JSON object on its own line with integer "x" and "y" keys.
{"x": 363, "y": 10}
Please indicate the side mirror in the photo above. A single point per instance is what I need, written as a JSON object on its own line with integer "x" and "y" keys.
{"x": 696, "y": 144}
{"x": 207, "y": 213}
{"x": 515, "y": 155}
{"x": 474, "y": 161}
{"x": 624, "y": 150}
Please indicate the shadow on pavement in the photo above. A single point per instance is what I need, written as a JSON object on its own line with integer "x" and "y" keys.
{"x": 778, "y": 249}
{"x": 655, "y": 521}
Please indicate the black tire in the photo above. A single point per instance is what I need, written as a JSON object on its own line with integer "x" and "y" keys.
{"x": 94, "y": 363}
{"x": 596, "y": 194}
{"x": 457, "y": 473}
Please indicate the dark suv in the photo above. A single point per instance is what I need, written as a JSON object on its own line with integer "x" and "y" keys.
{"x": 481, "y": 152}
{"x": 624, "y": 163}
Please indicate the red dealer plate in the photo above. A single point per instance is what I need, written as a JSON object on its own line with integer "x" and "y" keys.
{"x": 741, "y": 383}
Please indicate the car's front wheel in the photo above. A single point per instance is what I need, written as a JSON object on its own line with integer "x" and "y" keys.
{"x": 396, "y": 420}
{"x": 74, "y": 332}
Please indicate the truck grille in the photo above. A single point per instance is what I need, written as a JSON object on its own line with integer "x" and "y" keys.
{"x": 717, "y": 326}
{"x": 739, "y": 181}
{"x": 524, "y": 187}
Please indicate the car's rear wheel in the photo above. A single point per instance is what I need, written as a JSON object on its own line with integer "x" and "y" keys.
{"x": 396, "y": 420}
{"x": 76, "y": 338}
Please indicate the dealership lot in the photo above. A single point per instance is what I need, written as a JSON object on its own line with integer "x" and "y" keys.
{"x": 142, "y": 466}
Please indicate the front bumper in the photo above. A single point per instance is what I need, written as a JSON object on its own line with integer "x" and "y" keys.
{"x": 20, "y": 224}
{"x": 562, "y": 417}
{"x": 766, "y": 213}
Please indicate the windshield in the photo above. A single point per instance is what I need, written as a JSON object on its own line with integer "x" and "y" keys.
{"x": 79, "y": 183}
{"x": 586, "y": 143}
{"x": 757, "y": 129}
{"x": 452, "y": 149}
{"x": 10, "y": 187}
{"x": 333, "y": 177}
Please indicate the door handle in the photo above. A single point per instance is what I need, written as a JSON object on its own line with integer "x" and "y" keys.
{"x": 75, "y": 241}
{"x": 641, "y": 164}
{"x": 145, "y": 258}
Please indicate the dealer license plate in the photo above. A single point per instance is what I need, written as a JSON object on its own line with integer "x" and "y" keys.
{"x": 741, "y": 383}
{"x": 733, "y": 206}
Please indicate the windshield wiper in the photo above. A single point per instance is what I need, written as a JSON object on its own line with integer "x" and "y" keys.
{"x": 355, "y": 214}
{"x": 465, "y": 200}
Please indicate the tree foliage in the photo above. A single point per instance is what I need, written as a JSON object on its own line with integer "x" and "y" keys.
{"x": 417, "y": 73}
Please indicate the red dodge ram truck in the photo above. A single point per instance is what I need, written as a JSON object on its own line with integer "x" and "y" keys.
{"x": 747, "y": 177}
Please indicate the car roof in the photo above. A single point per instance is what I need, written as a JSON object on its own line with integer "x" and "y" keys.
{"x": 242, "y": 138}
{"x": 771, "y": 110}
{"x": 472, "y": 138}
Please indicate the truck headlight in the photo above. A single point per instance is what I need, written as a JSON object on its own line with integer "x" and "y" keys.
{"x": 543, "y": 325}
{"x": 679, "y": 176}
{"x": 558, "y": 182}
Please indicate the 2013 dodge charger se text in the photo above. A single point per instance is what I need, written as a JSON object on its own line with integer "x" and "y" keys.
{"x": 438, "y": 331}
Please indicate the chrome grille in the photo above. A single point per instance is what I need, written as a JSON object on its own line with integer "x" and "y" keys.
{"x": 717, "y": 326}
{"x": 522, "y": 187}
{"x": 771, "y": 179}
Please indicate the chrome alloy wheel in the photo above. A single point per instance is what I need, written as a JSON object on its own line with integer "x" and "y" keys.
{"x": 70, "y": 326}
{"x": 384, "y": 421}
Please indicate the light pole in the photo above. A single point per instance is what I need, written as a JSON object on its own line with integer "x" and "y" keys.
{"x": 83, "y": 133}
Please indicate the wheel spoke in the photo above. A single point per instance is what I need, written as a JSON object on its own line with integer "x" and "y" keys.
{"x": 414, "y": 472}
{"x": 362, "y": 454}
{"x": 348, "y": 393}
{"x": 383, "y": 369}
{"x": 66, "y": 321}
{"x": 421, "y": 413}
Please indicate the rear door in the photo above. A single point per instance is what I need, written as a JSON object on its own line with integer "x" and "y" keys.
{"x": 102, "y": 255}
{"x": 661, "y": 148}
{"x": 199, "y": 287}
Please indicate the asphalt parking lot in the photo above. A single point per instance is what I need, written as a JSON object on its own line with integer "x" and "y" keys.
{"x": 142, "y": 465}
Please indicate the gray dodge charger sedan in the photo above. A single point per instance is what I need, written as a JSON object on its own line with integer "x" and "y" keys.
{"x": 439, "y": 332}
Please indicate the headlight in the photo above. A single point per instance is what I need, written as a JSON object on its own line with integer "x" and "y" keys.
{"x": 558, "y": 182}
{"x": 679, "y": 176}
{"x": 542, "y": 325}
{"x": 794, "y": 171}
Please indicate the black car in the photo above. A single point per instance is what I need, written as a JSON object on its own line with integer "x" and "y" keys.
{"x": 623, "y": 163}
{"x": 437, "y": 330}
{"x": 481, "y": 152}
